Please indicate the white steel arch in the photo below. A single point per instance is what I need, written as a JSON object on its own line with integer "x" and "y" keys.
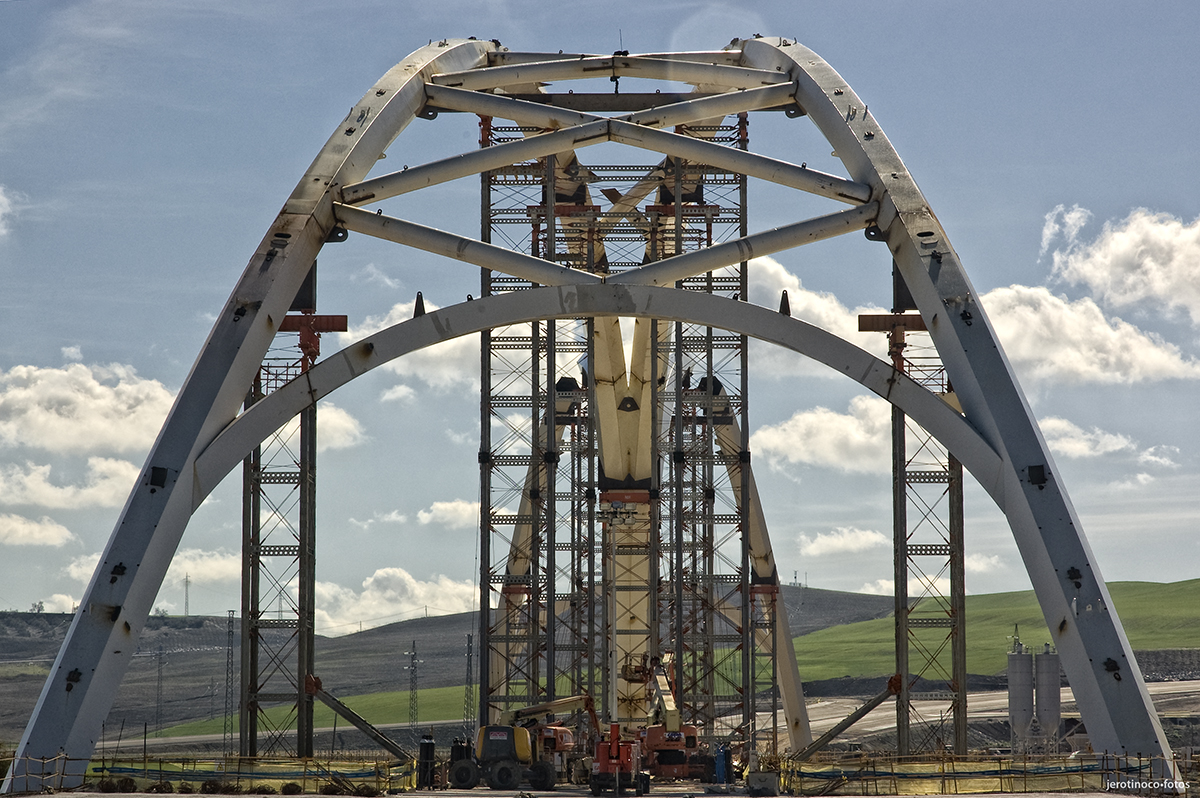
{"x": 996, "y": 437}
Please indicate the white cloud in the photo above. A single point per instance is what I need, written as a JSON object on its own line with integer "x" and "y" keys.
{"x": 982, "y": 563}
{"x": 78, "y": 408}
{"x": 1161, "y": 455}
{"x": 1050, "y": 338}
{"x": 386, "y": 594}
{"x": 372, "y": 275}
{"x": 1069, "y": 440}
{"x": 72, "y": 353}
{"x": 454, "y": 514}
{"x": 858, "y": 441}
{"x": 917, "y": 587}
{"x": 336, "y": 428}
{"x": 398, "y": 393}
{"x": 17, "y": 530}
{"x": 1149, "y": 259}
{"x": 392, "y": 517}
{"x": 205, "y": 567}
{"x": 7, "y": 210}
{"x": 844, "y": 540}
{"x": 768, "y": 279}
{"x": 82, "y": 567}
{"x": 1067, "y": 222}
{"x": 449, "y": 365}
{"x": 107, "y": 484}
{"x": 1139, "y": 480}
{"x": 60, "y": 602}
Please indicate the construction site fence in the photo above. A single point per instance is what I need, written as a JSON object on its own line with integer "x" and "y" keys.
{"x": 883, "y": 775}
{"x": 221, "y": 775}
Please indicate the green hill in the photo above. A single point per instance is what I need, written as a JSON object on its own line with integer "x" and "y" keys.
{"x": 1154, "y": 615}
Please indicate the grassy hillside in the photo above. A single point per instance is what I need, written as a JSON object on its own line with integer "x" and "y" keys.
{"x": 1154, "y": 615}
{"x": 435, "y": 703}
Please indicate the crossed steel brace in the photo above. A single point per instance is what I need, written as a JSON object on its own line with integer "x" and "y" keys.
{"x": 204, "y": 437}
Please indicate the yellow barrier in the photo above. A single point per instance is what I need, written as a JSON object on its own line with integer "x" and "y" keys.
{"x": 245, "y": 773}
{"x": 912, "y": 776}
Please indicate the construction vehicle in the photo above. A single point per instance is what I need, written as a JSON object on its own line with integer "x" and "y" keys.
{"x": 617, "y": 765}
{"x": 525, "y": 746}
{"x": 670, "y": 747}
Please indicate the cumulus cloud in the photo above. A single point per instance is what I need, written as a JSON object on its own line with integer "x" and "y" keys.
{"x": 17, "y": 530}
{"x": 1069, "y": 440}
{"x": 1053, "y": 339}
{"x": 454, "y": 514}
{"x": 982, "y": 563}
{"x": 452, "y": 364}
{"x": 768, "y": 279}
{"x": 205, "y": 567}
{"x": 844, "y": 540}
{"x": 336, "y": 428}
{"x": 917, "y": 587}
{"x": 82, "y": 567}
{"x": 858, "y": 441}
{"x": 79, "y": 408}
{"x": 60, "y": 602}
{"x": 386, "y": 594}
{"x": 1149, "y": 259}
{"x": 107, "y": 483}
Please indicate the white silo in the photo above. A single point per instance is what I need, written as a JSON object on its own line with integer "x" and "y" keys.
{"x": 1049, "y": 704}
{"x": 1020, "y": 696}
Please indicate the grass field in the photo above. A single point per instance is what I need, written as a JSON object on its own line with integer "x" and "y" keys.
{"x": 1155, "y": 616}
{"x": 441, "y": 703}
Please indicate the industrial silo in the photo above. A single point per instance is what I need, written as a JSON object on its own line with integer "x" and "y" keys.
{"x": 1020, "y": 696}
{"x": 1049, "y": 705}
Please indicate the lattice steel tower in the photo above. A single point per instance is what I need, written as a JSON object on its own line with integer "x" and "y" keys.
{"x": 614, "y": 535}
{"x": 928, "y": 549}
{"x": 279, "y": 549}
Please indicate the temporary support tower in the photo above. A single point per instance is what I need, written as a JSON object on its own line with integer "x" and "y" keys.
{"x": 993, "y": 435}
{"x": 279, "y": 549}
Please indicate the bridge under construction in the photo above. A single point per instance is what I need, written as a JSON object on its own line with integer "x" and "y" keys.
{"x": 621, "y": 530}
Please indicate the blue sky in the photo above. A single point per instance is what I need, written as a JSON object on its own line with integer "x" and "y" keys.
{"x": 145, "y": 147}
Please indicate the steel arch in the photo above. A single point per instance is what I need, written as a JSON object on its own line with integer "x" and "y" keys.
{"x": 564, "y": 302}
{"x": 996, "y": 417}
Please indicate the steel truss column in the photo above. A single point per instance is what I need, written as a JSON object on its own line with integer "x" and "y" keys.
{"x": 927, "y": 522}
{"x": 279, "y": 553}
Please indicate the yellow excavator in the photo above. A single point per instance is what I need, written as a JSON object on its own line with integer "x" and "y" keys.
{"x": 527, "y": 745}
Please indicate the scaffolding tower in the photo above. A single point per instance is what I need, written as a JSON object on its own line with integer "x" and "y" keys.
{"x": 595, "y": 579}
{"x": 279, "y": 550}
{"x": 928, "y": 555}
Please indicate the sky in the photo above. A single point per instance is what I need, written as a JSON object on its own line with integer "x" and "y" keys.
{"x": 145, "y": 147}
